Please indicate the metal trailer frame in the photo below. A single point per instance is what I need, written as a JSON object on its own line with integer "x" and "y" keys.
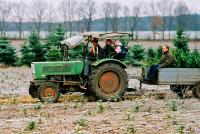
{"x": 181, "y": 80}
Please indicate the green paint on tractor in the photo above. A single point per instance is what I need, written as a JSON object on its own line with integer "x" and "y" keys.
{"x": 99, "y": 62}
{"x": 43, "y": 69}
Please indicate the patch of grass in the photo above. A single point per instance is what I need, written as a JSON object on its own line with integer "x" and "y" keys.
{"x": 184, "y": 129}
{"x": 40, "y": 121}
{"x": 131, "y": 129}
{"x": 76, "y": 105}
{"x": 82, "y": 122}
{"x": 15, "y": 100}
{"x": 173, "y": 106}
{"x": 108, "y": 106}
{"x": 83, "y": 100}
{"x": 168, "y": 116}
{"x": 38, "y": 107}
{"x": 137, "y": 107}
{"x": 41, "y": 113}
{"x": 78, "y": 130}
{"x": 65, "y": 107}
{"x": 31, "y": 125}
{"x": 25, "y": 112}
{"x": 116, "y": 99}
{"x": 89, "y": 112}
{"x": 160, "y": 96}
{"x": 101, "y": 107}
{"x": 148, "y": 108}
{"x": 129, "y": 116}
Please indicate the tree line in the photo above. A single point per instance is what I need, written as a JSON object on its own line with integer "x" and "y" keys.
{"x": 80, "y": 16}
{"x": 50, "y": 50}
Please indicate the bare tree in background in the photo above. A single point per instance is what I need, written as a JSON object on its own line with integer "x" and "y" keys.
{"x": 78, "y": 16}
{"x": 51, "y": 17}
{"x": 163, "y": 10}
{"x": 106, "y": 14}
{"x": 135, "y": 17}
{"x": 156, "y": 24}
{"x": 195, "y": 23}
{"x": 88, "y": 10}
{"x": 170, "y": 19}
{"x": 68, "y": 13}
{"x": 126, "y": 13}
{"x": 156, "y": 20}
{"x": 114, "y": 15}
{"x": 63, "y": 12}
{"x": 38, "y": 13}
{"x": 181, "y": 11}
{"x": 5, "y": 9}
{"x": 19, "y": 10}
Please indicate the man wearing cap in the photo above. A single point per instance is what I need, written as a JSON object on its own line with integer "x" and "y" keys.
{"x": 108, "y": 49}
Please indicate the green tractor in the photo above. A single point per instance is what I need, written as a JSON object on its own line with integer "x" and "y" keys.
{"x": 104, "y": 78}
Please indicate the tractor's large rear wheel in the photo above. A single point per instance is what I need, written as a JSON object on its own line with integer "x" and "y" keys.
{"x": 48, "y": 92}
{"x": 108, "y": 81}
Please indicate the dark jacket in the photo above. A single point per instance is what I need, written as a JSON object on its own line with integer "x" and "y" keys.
{"x": 108, "y": 50}
{"x": 93, "y": 55}
{"x": 167, "y": 60}
{"x": 121, "y": 55}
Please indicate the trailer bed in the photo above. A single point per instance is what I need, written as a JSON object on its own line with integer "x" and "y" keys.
{"x": 177, "y": 76}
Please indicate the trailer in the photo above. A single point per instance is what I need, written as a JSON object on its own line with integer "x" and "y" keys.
{"x": 181, "y": 80}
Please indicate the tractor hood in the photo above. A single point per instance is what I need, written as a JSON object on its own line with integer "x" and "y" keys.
{"x": 73, "y": 41}
{"x": 41, "y": 70}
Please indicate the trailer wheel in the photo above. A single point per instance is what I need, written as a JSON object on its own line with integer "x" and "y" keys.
{"x": 108, "y": 81}
{"x": 176, "y": 89}
{"x": 197, "y": 91}
{"x": 48, "y": 92}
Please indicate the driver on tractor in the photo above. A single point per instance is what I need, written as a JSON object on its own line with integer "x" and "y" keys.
{"x": 96, "y": 51}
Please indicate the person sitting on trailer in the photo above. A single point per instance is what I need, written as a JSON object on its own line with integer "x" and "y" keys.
{"x": 167, "y": 60}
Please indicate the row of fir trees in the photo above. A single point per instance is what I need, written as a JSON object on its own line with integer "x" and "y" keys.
{"x": 49, "y": 50}
{"x": 33, "y": 49}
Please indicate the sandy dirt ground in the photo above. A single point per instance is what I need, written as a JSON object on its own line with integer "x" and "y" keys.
{"x": 155, "y": 110}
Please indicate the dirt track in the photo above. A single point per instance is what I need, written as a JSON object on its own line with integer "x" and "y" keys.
{"x": 158, "y": 111}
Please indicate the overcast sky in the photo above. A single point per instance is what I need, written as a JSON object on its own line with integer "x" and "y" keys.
{"x": 194, "y": 5}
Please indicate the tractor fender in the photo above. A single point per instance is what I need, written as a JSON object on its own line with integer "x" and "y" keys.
{"x": 102, "y": 61}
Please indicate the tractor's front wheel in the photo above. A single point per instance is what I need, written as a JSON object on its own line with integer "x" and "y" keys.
{"x": 108, "y": 81}
{"x": 33, "y": 91}
{"x": 48, "y": 92}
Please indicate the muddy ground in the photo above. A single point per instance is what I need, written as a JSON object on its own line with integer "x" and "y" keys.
{"x": 153, "y": 110}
